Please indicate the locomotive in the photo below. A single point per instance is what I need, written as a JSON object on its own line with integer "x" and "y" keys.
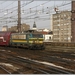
{"x": 26, "y": 40}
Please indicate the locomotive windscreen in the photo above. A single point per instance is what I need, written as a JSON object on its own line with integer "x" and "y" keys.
{"x": 36, "y": 36}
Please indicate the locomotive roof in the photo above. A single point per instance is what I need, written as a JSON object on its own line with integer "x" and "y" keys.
{"x": 27, "y": 33}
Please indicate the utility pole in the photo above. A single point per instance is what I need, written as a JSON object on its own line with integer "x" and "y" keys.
{"x": 73, "y": 22}
{"x": 19, "y": 17}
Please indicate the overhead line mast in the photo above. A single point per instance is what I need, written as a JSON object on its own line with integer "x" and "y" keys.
{"x": 19, "y": 16}
{"x": 73, "y": 22}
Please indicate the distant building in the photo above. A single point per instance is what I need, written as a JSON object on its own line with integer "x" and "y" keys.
{"x": 5, "y": 28}
{"x": 61, "y": 24}
{"x": 13, "y": 28}
{"x": 48, "y": 37}
{"x": 47, "y": 34}
{"x": 45, "y": 30}
{"x": 24, "y": 27}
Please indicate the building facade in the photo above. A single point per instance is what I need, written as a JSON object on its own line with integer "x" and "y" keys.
{"x": 61, "y": 26}
{"x": 48, "y": 37}
{"x": 47, "y": 34}
{"x": 5, "y": 28}
{"x": 24, "y": 27}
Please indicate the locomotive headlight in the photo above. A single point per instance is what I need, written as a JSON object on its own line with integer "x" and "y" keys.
{"x": 37, "y": 41}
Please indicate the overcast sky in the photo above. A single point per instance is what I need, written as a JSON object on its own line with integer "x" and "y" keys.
{"x": 38, "y": 11}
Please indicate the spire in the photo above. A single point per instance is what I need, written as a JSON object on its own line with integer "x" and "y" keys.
{"x": 34, "y": 25}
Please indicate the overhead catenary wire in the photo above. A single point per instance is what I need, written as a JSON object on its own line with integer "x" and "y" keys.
{"x": 2, "y": 2}
{"x": 34, "y": 11}
{"x": 8, "y": 5}
{"x": 50, "y": 8}
{"x": 15, "y": 9}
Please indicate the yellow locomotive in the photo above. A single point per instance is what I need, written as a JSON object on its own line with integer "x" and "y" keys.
{"x": 27, "y": 40}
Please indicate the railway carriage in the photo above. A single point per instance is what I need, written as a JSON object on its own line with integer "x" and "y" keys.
{"x": 5, "y": 38}
{"x": 27, "y": 40}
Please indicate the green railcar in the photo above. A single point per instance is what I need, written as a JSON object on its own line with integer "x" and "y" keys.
{"x": 27, "y": 40}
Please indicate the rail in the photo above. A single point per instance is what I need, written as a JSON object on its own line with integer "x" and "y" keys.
{"x": 4, "y": 69}
{"x": 38, "y": 66}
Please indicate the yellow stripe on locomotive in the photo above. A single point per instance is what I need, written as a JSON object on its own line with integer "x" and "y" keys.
{"x": 30, "y": 41}
{"x": 20, "y": 41}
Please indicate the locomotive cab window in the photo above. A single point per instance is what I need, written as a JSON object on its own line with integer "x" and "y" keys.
{"x": 37, "y": 35}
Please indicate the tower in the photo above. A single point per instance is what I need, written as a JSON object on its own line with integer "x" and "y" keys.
{"x": 34, "y": 26}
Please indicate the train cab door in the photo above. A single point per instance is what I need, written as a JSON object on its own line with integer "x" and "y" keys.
{"x": 28, "y": 37}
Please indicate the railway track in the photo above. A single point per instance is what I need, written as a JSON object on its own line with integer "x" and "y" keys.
{"x": 34, "y": 64}
{"x": 49, "y": 67}
{"x": 65, "y": 59}
{"x": 4, "y": 70}
{"x": 37, "y": 66}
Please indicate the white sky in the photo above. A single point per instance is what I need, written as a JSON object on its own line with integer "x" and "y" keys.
{"x": 43, "y": 11}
